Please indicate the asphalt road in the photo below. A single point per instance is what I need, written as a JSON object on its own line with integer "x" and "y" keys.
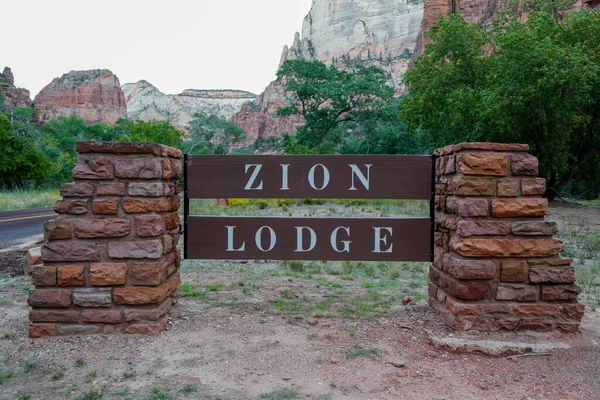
{"x": 23, "y": 226}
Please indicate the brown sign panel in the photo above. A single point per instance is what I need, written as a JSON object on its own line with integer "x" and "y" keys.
{"x": 274, "y": 238}
{"x": 349, "y": 177}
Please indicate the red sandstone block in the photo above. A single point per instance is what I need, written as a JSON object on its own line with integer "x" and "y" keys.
{"x": 175, "y": 203}
{"x": 57, "y": 230}
{"x": 533, "y": 187}
{"x": 136, "y": 206}
{"x": 111, "y": 189}
{"x": 567, "y": 326}
{"x": 534, "y": 228}
{"x": 108, "y": 274}
{"x": 102, "y": 228}
{"x": 492, "y": 164}
{"x": 495, "y": 308}
{"x": 458, "y": 308}
{"x": 102, "y": 316}
{"x": 560, "y": 292}
{"x": 45, "y": 315}
{"x": 128, "y": 148}
{"x": 473, "y": 186}
{"x": 71, "y": 275}
{"x": 149, "y": 273}
{"x": 552, "y": 274}
{"x": 468, "y": 207}
{"x": 438, "y": 255}
{"x": 469, "y": 269}
{"x": 432, "y": 290}
{"x": 524, "y": 164}
{"x": 509, "y": 324}
{"x": 136, "y": 249}
{"x": 167, "y": 243}
{"x": 105, "y": 207}
{"x": 69, "y": 251}
{"x": 480, "y": 247}
{"x": 462, "y": 291}
{"x": 93, "y": 168}
{"x": 539, "y": 310}
{"x": 508, "y": 292}
{"x": 507, "y": 188}
{"x": 537, "y": 324}
{"x": 146, "y": 189}
{"x": 172, "y": 221}
{"x": 514, "y": 271}
{"x": 572, "y": 311}
{"x": 446, "y": 222}
{"x": 49, "y": 298}
{"x": 76, "y": 190}
{"x": 139, "y": 168}
{"x": 43, "y": 276}
{"x": 467, "y": 228}
{"x": 146, "y": 295}
{"x": 147, "y": 314}
{"x": 79, "y": 329}
{"x": 508, "y": 208}
{"x": 440, "y": 203}
{"x": 76, "y": 207}
{"x": 449, "y": 165}
{"x": 41, "y": 330}
{"x": 149, "y": 225}
{"x": 550, "y": 262}
{"x": 146, "y": 329}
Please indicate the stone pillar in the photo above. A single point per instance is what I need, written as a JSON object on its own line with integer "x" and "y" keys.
{"x": 496, "y": 265}
{"x": 111, "y": 257}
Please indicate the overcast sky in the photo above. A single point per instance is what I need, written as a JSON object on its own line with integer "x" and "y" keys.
{"x": 174, "y": 44}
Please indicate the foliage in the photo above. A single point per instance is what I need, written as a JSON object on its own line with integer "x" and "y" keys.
{"x": 535, "y": 82}
{"x": 329, "y": 99}
{"x": 212, "y": 134}
{"x": 21, "y": 162}
{"x": 146, "y": 131}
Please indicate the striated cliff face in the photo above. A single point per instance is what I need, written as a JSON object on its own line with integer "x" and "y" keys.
{"x": 374, "y": 32}
{"x": 94, "y": 95}
{"x": 13, "y": 96}
{"x": 146, "y": 102}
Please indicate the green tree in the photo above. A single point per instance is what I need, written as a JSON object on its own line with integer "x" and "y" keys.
{"x": 535, "y": 82}
{"x": 329, "y": 99}
{"x": 21, "y": 162}
{"x": 148, "y": 131}
{"x": 211, "y": 134}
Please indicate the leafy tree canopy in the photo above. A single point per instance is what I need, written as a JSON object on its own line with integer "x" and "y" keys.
{"x": 329, "y": 99}
{"x": 535, "y": 82}
{"x": 211, "y": 134}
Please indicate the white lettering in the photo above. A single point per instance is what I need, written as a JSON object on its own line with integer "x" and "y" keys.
{"x": 382, "y": 239}
{"x": 299, "y": 242}
{"x": 230, "y": 240}
{"x": 361, "y": 177}
{"x": 284, "y": 176}
{"x": 257, "y": 168}
{"x": 311, "y": 177}
{"x": 333, "y": 240}
{"x": 272, "y": 239}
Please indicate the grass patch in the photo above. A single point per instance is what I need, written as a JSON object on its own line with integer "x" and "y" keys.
{"x": 129, "y": 374}
{"x": 80, "y": 362}
{"x": 213, "y": 287}
{"x": 91, "y": 395}
{"x": 372, "y": 353}
{"x": 190, "y": 290}
{"x": 189, "y": 388}
{"x": 160, "y": 394}
{"x": 4, "y": 375}
{"x": 22, "y": 396}
{"x": 5, "y": 335}
{"x": 21, "y": 199}
{"x": 281, "y": 394}
{"x": 29, "y": 366}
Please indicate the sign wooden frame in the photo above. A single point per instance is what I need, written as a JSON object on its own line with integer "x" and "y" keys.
{"x": 309, "y": 176}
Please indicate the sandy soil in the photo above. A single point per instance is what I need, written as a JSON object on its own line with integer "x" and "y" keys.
{"x": 234, "y": 344}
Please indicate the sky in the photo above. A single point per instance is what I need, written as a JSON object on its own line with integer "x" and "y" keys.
{"x": 173, "y": 44}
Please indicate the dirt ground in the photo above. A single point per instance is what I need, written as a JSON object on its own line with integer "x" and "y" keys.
{"x": 311, "y": 331}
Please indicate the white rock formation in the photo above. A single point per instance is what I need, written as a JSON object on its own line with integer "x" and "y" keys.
{"x": 146, "y": 102}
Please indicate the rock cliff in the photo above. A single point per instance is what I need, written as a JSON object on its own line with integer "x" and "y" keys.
{"x": 146, "y": 102}
{"x": 94, "y": 95}
{"x": 13, "y": 96}
{"x": 342, "y": 32}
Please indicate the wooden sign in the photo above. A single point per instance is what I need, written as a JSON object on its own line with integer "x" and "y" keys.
{"x": 334, "y": 177}
{"x": 324, "y": 177}
{"x": 359, "y": 239}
